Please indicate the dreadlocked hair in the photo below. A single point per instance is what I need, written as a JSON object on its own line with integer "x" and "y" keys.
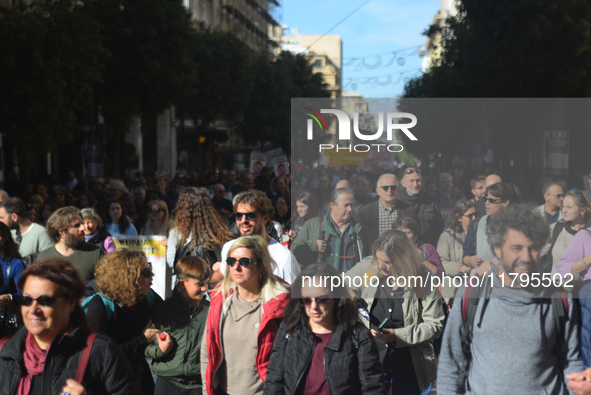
{"x": 196, "y": 217}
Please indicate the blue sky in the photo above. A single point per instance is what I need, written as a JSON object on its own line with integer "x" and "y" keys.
{"x": 380, "y": 27}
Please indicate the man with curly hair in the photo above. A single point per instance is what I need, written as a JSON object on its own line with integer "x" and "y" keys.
{"x": 516, "y": 339}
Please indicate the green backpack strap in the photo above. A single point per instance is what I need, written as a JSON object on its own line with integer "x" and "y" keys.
{"x": 424, "y": 252}
{"x": 151, "y": 298}
{"x": 109, "y": 305}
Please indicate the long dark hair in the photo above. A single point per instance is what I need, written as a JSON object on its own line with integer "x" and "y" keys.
{"x": 345, "y": 310}
{"x": 309, "y": 200}
{"x": 460, "y": 209}
{"x": 8, "y": 247}
{"x": 123, "y": 221}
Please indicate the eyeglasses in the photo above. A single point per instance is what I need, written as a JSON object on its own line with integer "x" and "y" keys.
{"x": 59, "y": 194}
{"x": 559, "y": 196}
{"x": 493, "y": 201}
{"x": 575, "y": 190}
{"x": 44, "y": 301}
{"x": 321, "y": 301}
{"x": 473, "y": 215}
{"x": 244, "y": 262}
{"x": 250, "y": 216}
{"x": 282, "y": 201}
{"x": 156, "y": 210}
{"x": 412, "y": 170}
{"x": 394, "y": 188}
{"x": 147, "y": 271}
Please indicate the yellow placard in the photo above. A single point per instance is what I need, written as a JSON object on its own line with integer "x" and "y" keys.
{"x": 150, "y": 245}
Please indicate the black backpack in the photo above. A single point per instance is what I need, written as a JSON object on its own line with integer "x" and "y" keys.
{"x": 469, "y": 304}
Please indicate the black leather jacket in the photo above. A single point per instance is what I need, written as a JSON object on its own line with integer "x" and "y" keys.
{"x": 351, "y": 363}
{"x": 108, "y": 370}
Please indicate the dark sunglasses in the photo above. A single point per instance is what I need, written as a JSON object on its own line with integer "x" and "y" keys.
{"x": 147, "y": 271}
{"x": 412, "y": 170}
{"x": 250, "y": 216}
{"x": 44, "y": 301}
{"x": 493, "y": 201}
{"x": 394, "y": 188}
{"x": 473, "y": 215}
{"x": 560, "y": 195}
{"x": 156, "y": 210}
{"x": 322, "y": 301}
{"x": 244, "y": 262}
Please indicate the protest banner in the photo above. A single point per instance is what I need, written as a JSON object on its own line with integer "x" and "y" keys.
{"x": 156, "y": 255}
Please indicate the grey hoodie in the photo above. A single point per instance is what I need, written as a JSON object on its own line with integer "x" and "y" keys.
{"x": 515, "y": 347}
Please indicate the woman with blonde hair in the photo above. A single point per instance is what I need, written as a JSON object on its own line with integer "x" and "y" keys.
{"x": 195, "y": 215}
{"x": 121, "y": 309}
{"x": 241, "y": 325}
{"x": 403, "y": 312}
{"x": 159, "y": 223}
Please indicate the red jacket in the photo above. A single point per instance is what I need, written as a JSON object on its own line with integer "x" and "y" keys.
{"x": 267, "y": 330}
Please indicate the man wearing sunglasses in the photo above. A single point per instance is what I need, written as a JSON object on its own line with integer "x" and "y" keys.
{"x": 66, "y": 229}
{"x": 335, "y": 238}
{"x": 253, "y": 210}
{"x": 552, "y": 209}
{"x": 379, "y": 216}
{"x": 424, "y": 205}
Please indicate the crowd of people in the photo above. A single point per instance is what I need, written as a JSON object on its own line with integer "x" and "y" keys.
{"x": 326, "y": 282}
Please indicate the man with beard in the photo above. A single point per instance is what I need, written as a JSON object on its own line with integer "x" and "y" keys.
{"x": 424, "y": 205}
{"x": 509, "y": 336}
{"x": 30, "y": 237}
{"x": 253, "y": 209}
{"x": 66, "y": 229}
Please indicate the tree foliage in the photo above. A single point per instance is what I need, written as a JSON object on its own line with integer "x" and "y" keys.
{"x": 505, "y": 49}
{"x": 512, "y": 48}
{"x": 276, "y": 82}
{"x": 151, "y": 64}
{"x": 51, "y": 57}
{"x": 224, "y": 80}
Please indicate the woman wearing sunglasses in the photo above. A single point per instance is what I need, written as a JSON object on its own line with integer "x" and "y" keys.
{"x": 43, "y": 357}
{"x": 322, "y": 347}
{"x": 195, "y": 215}
{"x": 404, "y": 314}
{"x": 159, "y": 223}
{"x": 242, "y": 321}
{"x": 94, "y": 231}
{"x": 476, "y": 247}
{"x": 121, "y": 309}
{"x": 451, "y": 242}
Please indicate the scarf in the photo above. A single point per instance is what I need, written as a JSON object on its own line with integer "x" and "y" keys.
{"x": 34, "y": 359}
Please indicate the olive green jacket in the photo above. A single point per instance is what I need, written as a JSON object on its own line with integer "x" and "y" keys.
{"x": 424, "y": 316}
{"x": 186, "y": 326}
